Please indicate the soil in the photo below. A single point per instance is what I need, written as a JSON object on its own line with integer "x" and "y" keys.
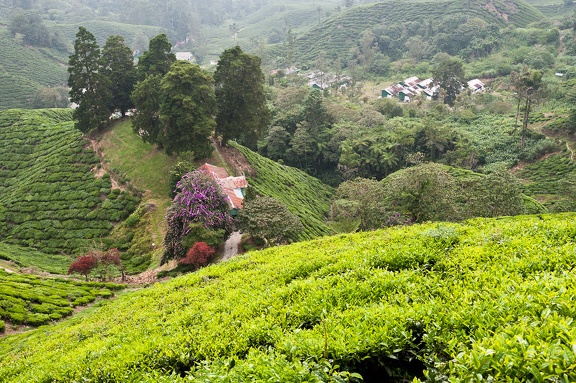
{"x": 235, "y": 160}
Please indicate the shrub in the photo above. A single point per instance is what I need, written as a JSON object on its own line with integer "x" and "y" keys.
{"x": 83, "y": 265}
{"x": 199, "y": 200}
{"x": 199, "y": 255}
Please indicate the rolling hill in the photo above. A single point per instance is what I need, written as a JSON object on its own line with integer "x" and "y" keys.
{"x": 336, "y": 35}
{"x": 50, "y": 197}
{"x": 489, "y": 299}
{"x": 25, "y": 69}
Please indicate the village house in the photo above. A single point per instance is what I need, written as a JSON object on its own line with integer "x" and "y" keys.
{"x": 233, "y": 187}
{"x": 185, "y": 56}
{"x": 411, "y": 87}
{"x": 476, "y": 86}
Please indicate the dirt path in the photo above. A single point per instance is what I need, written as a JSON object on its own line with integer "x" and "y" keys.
{"x": 570, "y": 150}
{"x": 231, "y": 246}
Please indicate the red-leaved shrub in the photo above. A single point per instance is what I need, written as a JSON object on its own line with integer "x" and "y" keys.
{"x": 198, "y": 255}
{"x": 83, "y": 265}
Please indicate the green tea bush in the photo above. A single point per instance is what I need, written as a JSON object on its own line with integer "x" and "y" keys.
{"x": 34, "y": 301}
{"x": 484, "y": 300}
{"x": 50, "y": 198}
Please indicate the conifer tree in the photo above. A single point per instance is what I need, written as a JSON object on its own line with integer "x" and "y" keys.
{"x": 89, "y": 88}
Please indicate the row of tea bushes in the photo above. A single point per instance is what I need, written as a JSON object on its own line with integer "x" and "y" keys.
{"x": 485, "y": 300}
{"x": 34, "y": 301}
{"x": 49, "y": 196}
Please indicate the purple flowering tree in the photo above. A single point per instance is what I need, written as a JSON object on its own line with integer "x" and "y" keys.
{"x": 199, "y": 201}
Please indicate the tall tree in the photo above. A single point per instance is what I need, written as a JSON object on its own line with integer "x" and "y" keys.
{"x": 187, "y": 107}
{"x": 146, "y": 99}
{"x": 157, "y": 59}
{"x": 118, "y": 66}
{"x": 449, "y": 74}
{"x": 242, "y": 111}
{"x": 529, "y": 88}
{"x": 89, "y": 89}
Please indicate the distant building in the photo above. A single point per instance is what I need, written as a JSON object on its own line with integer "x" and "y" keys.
{"x": 233, "y": 187}
{"x": 476, "y": 86}
{"x": 185, "y": 56}
{"x": 409, "y": 88}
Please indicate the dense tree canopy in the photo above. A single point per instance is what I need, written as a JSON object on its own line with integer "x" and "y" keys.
{"x": 146, "y": 99}
{"x": 270, "y": 220}
{"x": 157, "y": 59}
{"x": 89, "y": 87}
{"x": 449, "y": 74}
{"x": 118, "y": 66}
{"x": 187, "y": 107}
{"x": 242, "y": 111}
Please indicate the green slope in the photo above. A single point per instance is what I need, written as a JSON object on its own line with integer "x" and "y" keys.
{"x": 24, "y": 70}
{"x": 103, "y": 29}
{"x": 338, "y": 34}
{"x": 304, "y": 195}
{"x": 50, "y": 198}
{"x": 491, "y": 299}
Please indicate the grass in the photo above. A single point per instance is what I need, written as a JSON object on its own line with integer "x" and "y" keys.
{"x": 486, "y": 300}
{"x": 30, "y": 258}
{"x": 145, "y": 166}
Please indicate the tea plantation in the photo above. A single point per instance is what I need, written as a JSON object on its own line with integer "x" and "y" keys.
{"x": 486, "y": 300}
{"x": 35, "y": 301}
{"x": 50, "y": 198}
{"x": 304, "y": 195}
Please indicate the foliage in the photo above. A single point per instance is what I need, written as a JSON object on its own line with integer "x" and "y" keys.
{"x": 422, "y": 193}
{"x": 187, "y": 108}
{"x": 362, "y": 201}
{"x": 50, "y": 199}
{"x": 198, "y": 255}
{"x": 303, "y": 195}
{"x": 117, "y": 65}
{"x": 528, "y": 88}
{"x": 448, "y": 73}
{"x": 318, "y": 306}
{"x": 89, "y": 87}
{"x": 242, "y": 111}
{"x": 34, "y": 301}
{"x": 83, "y": 265}
{"x": 199, "y": 200}
{"x": 156, "y": 61}
{"x": 146, "y": 98}
{"x": 268, "y": 218}
{"x": 29, "y": 24}
{"x": 176, "y": 174}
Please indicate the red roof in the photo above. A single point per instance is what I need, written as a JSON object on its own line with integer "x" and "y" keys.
{"x": 227, "y": 183}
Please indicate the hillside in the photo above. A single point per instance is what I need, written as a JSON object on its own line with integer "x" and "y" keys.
{"x": 490, "y": 299}
{"x": 338, "y": 34}
{"x": 50, "y": 198}
{"x": 304, "y": 195}
{"x": 25, "y": 69}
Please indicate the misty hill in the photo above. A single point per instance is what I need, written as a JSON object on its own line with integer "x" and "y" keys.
{"x": 337, "y": 35}
{"x": 457, "y": 301}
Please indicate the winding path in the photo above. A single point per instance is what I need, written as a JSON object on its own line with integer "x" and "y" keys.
{"x": 231, "y": 245}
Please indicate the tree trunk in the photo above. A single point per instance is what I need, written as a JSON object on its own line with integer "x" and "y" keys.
{"x": 525, "y": 122}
